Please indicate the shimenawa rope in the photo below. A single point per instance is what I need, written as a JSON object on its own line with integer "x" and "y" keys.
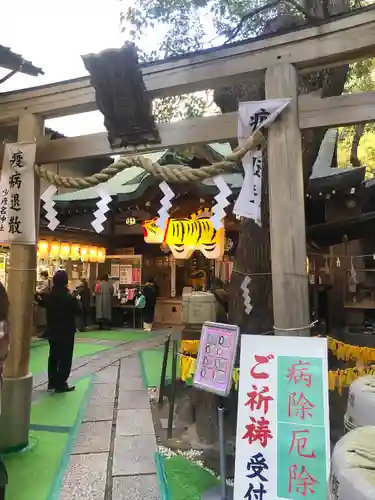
{"x": 169, "y": 173}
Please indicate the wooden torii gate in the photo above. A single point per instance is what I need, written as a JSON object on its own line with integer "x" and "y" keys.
{"x": 343, "y": 40}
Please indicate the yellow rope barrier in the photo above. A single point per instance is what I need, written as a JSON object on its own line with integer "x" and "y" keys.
{"x": 337, "y": 379}
{"x": 347, "y": 352}
{"x": 342, "y": 351}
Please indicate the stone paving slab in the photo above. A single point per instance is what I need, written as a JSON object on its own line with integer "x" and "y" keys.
{"x": 107, "y": 375}
{"x": 134, "y": 423}
{"x": 131, "y": 383}
{"x": 85, "y": 478}
{"x": 78, "y": 362}
{"x": 103, "y": 394}
{"x": 136, "y": 488}
{"x": 134, "y": 455}
{"x": 93, "y": 437}
{"x": 133, "y": 400}
{"x": 40, "y": 379}
{"x": 131, "y": 366}
{"x": 96, "y": 413}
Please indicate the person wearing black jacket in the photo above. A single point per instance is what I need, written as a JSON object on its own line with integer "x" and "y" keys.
{"x": 84, "y": 295}
{"x": 148, "y": 312}
{"x": 62, "y": 308}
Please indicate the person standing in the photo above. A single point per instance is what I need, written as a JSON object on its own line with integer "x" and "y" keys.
{"x": 150, "y": 295}
{"x": 43, "y": 289}
{"x": 85, "y": 298}
{"x": 46, "y": 282}
{"x": 103, "y": 302}
{"x": 4, "y": 350}
{"x": 62, "y": 308}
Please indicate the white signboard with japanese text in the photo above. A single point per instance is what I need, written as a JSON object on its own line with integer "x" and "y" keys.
{"x": 253, "y": 116}
{"x": 283, "y": 444}
{"x": 17, "y": 201}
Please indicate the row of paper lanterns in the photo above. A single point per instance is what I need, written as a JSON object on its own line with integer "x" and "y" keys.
{"x": 67, "y": 251}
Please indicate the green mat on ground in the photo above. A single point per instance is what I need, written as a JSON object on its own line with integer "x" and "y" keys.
{"x": 32, "y": 473}
{"x": 36, "y": 473}
{"x": 60, "y": 409}
{"x": 151, "y": 363}
{"x": 185, "y": 479}
{"x": 39, "y": 354}
{"x": 116, "y": 335}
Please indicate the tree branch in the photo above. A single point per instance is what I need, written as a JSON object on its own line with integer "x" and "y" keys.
{"x": 248, "y": 16}
{"x": 268, "y": 6}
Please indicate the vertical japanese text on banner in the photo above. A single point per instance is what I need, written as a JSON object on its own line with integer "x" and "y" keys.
{"x": 17, "y": 208}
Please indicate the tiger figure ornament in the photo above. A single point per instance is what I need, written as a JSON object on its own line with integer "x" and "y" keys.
{"x": 184, "y": 236}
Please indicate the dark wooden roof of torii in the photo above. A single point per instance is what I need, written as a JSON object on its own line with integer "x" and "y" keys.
{"x": 15, "y": 62}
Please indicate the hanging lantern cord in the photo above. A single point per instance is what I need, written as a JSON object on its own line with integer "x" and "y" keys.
{"x": 169, "y": 173}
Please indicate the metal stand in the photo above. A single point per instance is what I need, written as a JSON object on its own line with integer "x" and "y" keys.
{"x": 222, "y": 492}
{"x": 173, "y": 389}
{"x": 164, "y": 371}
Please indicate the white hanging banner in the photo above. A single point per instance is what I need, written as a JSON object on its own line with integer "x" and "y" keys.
{"x": 103, "y": 208}
{"x": 246, "y": 295}
{"x": 17, "y": 201}
{"x": 221, "y": 202}
{"x": 253, "y": 116}
{"x": 49, "y": 204}
{"x": 166, "y": 204}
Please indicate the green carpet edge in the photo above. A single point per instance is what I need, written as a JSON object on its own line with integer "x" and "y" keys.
{"x": 72, "y": 436}
{"x": 143, "y": 369}
{"x": 165, "y": 493}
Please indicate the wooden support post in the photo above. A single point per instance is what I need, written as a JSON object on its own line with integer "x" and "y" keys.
{"x": 15, "y": 418}
{"x": 287, "y": 208}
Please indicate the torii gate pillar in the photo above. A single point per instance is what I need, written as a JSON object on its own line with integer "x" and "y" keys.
{"x": 287, "y": 207}
{"x": 18, "y": 381}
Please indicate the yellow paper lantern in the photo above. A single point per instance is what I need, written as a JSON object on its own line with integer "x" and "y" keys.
{"x": 74, "y": 252}
{"x": 93, "y": 254}
{"x": 54, "y": 250}
{"x": 43, "y": 249}
{"x": 84, "y": 254}
{"x": 64, "y": 251}
{"x": 101, "y": 255}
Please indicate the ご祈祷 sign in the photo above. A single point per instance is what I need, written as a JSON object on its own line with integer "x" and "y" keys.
{"x": 17, "y": 201}
{"x": 217, "y": 352}
{"x": 283, "y": 446}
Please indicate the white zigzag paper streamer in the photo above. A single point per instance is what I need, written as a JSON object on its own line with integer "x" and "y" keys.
{"x": 103, "y": 208}
{"x": 166, "y": 204}
{"x": 246, "y": 294}
{"x": 48, "y": 205}
{"x": 221, "y": 202}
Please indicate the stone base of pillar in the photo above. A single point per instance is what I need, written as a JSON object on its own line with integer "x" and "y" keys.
{"x": 15, "y": 413}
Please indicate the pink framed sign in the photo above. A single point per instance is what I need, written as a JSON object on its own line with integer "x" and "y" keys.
{"x": 216, "y": 356}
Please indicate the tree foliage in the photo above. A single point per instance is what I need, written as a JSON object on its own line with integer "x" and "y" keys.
{"x": 356, "y": 145}
{"x": 182, "y": 26}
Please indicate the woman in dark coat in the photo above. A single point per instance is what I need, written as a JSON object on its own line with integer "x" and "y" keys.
{"x": 150, "y": 295}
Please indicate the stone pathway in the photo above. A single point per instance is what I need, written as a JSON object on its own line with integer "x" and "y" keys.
{"x": 113, "y": 457}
